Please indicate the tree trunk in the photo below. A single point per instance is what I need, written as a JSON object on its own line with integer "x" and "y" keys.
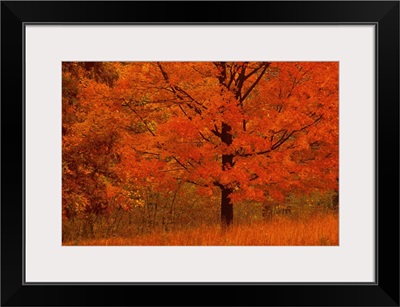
{"x": 227, "y": 163}
{"x": 232, "y": 79}
{"x": 226, "y": 207}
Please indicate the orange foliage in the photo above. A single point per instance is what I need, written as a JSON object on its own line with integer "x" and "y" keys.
{"x": 251, "y": 129}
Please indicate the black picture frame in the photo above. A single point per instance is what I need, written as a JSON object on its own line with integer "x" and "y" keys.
{"x": 383, "y": 14}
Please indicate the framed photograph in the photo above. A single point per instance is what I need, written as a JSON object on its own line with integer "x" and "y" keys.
{"x": 242, "y": 153}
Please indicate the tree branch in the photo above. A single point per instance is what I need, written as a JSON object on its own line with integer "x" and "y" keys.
{"x": 128, "y": 104}
{"x": 175, "y": 89}
{"x": 266, "y": 65}
{"x": 216, "y": 132}
{"x": 206, "y": 139}
{"x": 181, "y": 164}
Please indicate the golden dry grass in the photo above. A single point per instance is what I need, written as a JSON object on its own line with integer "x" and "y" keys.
{"x": 317, "y": 230}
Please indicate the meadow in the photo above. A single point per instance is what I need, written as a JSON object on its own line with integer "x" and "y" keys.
{"x": 319, "y": 230}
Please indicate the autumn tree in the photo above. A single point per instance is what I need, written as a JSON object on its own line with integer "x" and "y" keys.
{"x": 253, "y": 130}
{"x": 89, "y": 137}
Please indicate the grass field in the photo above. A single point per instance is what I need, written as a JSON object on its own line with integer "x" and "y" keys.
{"x": 317, "y": 230}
